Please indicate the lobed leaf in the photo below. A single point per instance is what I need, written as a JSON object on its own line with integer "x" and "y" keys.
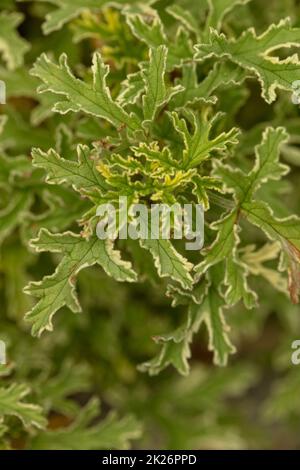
{"x": 93, "y": 98}
{"x": 12, "y": 46}
{"x": 252, "y": 53}
{"x": 58, "y": 290}
{"x": 12, "y": 404}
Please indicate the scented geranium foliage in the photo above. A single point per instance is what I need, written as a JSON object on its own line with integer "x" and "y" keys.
{"x": 167, "y": 143}
{"x": 172, "y": 102}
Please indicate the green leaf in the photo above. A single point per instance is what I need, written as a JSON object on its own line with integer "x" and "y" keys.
{"x": 202, "y": 184}
{"x": 12, "y": 46}
{"x": 14, "y": 213}
{"x": 218, "y": 9}
{"x": 17, "y": 133}
{"x": 12, "y": 404}
{"x": 223, "y": 245}
{"x": 224, "y": 249}
{"x": 54, "y": 392}
{"x": 244, "y": 186}
{"x": 198, "y": 144}
{"x": 156, "y": 94}
{"x": 58, "y": 290}
{"x": 11, "y": 166}
{"x": 281, "y": 403}
{"x": 267, "y": 166}
{"x": 92, "y": 98}
{"x": 252, "y": 52}
{"x": 131, "y": 89}
{"x": 14, "y": 263}
{"x": 286, "y": 231}
{"x": 175, "y": 346}
{"x": 255, "y": 259}
{"x": 184, "y": 16}
{"x": 66, "y": 11}
{"x": 81, "y": 175}
{"x": 153, "y": 34}
{"x": 191, "y": 91}
{"x": 212, "y": 311}
{"x": 18, "y": 82}
{"x": 224, "y": 73}
{"x": 70, "y": 9}
{"x": 236, "y": 280}
{"x": 169, "y": 262}
{"x": 261, "y": 215}
{"x": 111, "y": 433}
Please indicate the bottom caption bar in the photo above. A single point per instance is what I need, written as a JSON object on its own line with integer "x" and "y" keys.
{"x": 137, "y": 458}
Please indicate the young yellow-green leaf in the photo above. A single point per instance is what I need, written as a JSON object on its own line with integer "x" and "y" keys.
{"x": 153, "y": 153}
{"x": 252, "y": 52}
{"x": 58, "y": 290}
{"x": 168, "y": 262}
{"x": 12, "y": 46}
{"x": 12, "y": 404}
{"x": 92, "y": 98}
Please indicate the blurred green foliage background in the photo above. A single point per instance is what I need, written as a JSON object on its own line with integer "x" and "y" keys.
{"x": 79, "y": 386}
